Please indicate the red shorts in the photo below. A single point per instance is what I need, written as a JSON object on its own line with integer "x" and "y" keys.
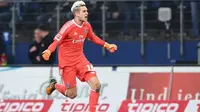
{"x": 83, "y": 71}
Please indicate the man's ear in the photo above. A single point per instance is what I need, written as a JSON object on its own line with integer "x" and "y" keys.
{"x": 76, "y": 12}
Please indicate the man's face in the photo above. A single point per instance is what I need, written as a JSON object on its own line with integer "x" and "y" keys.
{"x": 37, "y": 35}
{"x": 82, "y": 14}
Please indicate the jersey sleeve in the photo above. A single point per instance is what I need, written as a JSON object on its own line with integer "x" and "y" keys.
{"x": 59, "y": 37}
{"x": 95, "y": 39}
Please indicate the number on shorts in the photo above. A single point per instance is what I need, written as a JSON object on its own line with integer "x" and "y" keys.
{"x": 90, "y": 67}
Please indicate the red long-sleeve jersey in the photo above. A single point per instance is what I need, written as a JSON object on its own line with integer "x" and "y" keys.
{"x": 71, "y": 39}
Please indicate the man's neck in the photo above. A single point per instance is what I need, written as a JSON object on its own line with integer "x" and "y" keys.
{"x": 77, "y": 21}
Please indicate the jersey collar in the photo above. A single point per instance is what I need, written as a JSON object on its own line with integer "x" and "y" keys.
{"x": 80, "y": 26}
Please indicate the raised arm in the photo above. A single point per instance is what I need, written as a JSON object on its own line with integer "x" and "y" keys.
{"x": 95, "y": 39}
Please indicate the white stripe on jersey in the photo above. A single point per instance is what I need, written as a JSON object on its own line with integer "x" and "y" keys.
{"x": 64, "y": 28}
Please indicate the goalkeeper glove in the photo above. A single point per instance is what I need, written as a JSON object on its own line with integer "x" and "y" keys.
{"x": 46, "y": 54}
{"x": 110, "y": 47}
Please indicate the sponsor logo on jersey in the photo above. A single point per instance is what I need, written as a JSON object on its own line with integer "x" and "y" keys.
{"x": 81, "y": 39}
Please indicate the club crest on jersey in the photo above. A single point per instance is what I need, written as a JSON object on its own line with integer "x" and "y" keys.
{"x": 85, "y": 31}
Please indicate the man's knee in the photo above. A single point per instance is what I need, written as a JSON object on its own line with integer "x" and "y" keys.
{"x": 71, "y": 93}
{"x": 94, "y": 84}
{"x": 72, "y": 96}
{"x": 96, "y": 87}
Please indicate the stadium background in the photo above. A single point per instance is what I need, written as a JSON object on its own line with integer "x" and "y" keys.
{"x": 145, "y": 47}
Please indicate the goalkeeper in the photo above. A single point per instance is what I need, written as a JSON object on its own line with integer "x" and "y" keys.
{"x": 72, "y": 61}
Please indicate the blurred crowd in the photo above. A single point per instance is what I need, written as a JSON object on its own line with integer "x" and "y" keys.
{"x": 126, "y": 15}
{"x": 42, "y": 39}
